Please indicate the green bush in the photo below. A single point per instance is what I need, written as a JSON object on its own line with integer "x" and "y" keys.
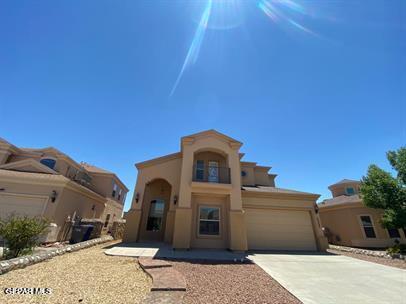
{"x": 396, "y": 249}
{"x": 21, "y": 234}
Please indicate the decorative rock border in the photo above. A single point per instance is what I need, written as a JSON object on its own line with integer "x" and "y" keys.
{"x": 21, "y": 262}
{"x": 375, "y": 253}
{"x": 168, "y": 284}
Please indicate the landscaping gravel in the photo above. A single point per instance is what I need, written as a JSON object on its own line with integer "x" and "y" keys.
{"x": 223, "y": 283}
{"x": 85, "y": 276}
{"x": 384, "y": 261}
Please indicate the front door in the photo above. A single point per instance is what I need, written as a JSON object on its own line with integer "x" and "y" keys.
{"x": 213, "y": 172}
{"x": 153, "y": 221}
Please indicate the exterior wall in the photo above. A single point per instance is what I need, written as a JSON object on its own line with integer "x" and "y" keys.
{"x": 115, "y": 210}
{"x": 249, "y": 178}
{"x": 344, "y": 222}
{"x": 339, "y": 189}
{"x": 210, "y": 156}
{"x": 221, "y": 241}
{"x": 71, "y": 202}
{"x": 261, "y": 177}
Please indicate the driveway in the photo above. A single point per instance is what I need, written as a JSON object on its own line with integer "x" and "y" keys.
{"x": 325, "y": 278}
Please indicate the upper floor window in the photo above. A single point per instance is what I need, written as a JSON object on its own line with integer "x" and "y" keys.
{"x": 243, "y": 173}
{"x": 120, "y": 192}
{"x": 350, "y": 191}
{"x": 113, "y": 194}
{"x": 200, "y": 169}
{"x": 49, "y": 162}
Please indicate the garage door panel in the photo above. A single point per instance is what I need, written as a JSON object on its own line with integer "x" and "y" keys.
{"x": 11, "y": 203}
{"x": 269, "y": 229}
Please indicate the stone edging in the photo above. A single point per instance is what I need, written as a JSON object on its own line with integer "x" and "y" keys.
{"x": 21, "y": 262}
{"x": 381, "y": 254}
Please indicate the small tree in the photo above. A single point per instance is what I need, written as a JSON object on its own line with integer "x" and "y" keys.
{"x": 379, "y": 189}
{"x": 21, "y": 234}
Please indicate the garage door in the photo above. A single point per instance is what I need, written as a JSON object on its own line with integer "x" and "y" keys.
{"x": 21, "y": 204}
{"x": 279, "y": 230}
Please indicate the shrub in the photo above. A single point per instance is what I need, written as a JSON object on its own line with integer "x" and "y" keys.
{"x": 21, "y": 234}
{"x": 396, "y": 249}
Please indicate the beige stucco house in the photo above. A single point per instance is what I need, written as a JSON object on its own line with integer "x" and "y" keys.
{"x": 348, "y": 222}
{"x": 46, "y": 182}
{"x": 205, "y": 196}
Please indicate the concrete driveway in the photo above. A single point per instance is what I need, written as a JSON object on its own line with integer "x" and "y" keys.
{"x": 325, "y": 278}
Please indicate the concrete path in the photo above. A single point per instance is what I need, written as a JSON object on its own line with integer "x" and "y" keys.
{"x": 328, "y": 279}
{"x": 160, "y": 250}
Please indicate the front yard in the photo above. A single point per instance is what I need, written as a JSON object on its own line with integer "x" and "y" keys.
{"x": 85, "y": 276}
{"x": 222, "y": 283}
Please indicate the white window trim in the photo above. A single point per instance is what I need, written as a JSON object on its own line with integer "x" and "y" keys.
{"x": 210, "y": 236}
{"x": 362, "y": 226}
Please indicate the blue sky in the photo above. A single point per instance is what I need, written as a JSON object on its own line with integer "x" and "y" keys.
{"x": 315, "y": 89}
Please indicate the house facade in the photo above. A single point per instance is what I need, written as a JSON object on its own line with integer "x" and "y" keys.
{"x": 46, "y": 182}
{"x": 347, "y": 221}
{"x": 205, "y": 196}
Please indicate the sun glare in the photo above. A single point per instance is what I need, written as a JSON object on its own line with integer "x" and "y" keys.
{"x": 226, "y": 14}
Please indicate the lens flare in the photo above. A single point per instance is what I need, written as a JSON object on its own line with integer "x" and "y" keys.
{"x": 196, "y": 44}
{"x": 224, "y": 14}
{"x": 284, "y": 11}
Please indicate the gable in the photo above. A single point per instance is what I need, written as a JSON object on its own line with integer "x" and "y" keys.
{"x": 28, "y": 165}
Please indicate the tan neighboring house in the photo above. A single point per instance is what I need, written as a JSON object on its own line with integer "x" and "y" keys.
{"x": 46, "y": 182}
{"x": 205, "y": 197}
{"x": 348, "y": 222}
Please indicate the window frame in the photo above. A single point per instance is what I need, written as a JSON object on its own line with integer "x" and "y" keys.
{"x": 362, "y": 226}
{"x": 210, "y": 236}
{"x": 353, "y": 191}
{"x": 50, "y": 158}
{"x": 114, "y": 192}
{"x": 396, "y": 237}
{"x": 201, "y": 161}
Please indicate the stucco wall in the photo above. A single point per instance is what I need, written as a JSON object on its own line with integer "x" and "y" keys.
{"x": 344, "y": 222}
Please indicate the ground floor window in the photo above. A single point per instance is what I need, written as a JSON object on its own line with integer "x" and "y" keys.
{"x": 155, "y": 215}
{"x": 368, "y": 226}
{"x": 393, "y": 233}
{"x": 209, "y": 221}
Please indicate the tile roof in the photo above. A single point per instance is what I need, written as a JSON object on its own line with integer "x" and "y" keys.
{"x": 345, "y": 181}
{"x": 274, "y": 190}
{"x": 94, "y": 169}
{"x": 342, "y": 199}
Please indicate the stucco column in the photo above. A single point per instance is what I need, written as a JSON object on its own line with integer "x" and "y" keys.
{"x": 183, "y": 214}
{"x": 321, "y": 240}
{"x": 238, "y": 233}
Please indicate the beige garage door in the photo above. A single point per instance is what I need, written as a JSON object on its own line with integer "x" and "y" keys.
{"x": 279, "y": 230}
{"x": 21, "y": 204}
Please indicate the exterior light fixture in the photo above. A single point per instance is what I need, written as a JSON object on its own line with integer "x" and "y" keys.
{"x": 53, "y": 196}
{"x": 93, "y": 207}
{"x": 137, "y": 197}
{"x": 175, "y": 199}
{"x": 2, "y": 189}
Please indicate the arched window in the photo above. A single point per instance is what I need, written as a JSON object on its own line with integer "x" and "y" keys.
{"x": 49, "y": 162}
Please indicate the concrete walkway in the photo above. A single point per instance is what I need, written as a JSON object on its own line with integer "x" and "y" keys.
{"x": 160, "y": 250}
{"x": 333, "y": 279}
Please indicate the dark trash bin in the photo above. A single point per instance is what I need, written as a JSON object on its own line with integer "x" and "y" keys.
{"x": 80, "y": 233}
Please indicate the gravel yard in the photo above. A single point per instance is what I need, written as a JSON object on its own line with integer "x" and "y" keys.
{"x": 388, "y": 262}
{"x": 209, "y": 282}
{"x": 86, "y": 276}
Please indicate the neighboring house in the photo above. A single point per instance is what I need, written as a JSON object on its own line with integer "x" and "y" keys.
{"x": 205, "y": 197}
{"x": 348, "y": 222}
{"x": 46, "y": 182}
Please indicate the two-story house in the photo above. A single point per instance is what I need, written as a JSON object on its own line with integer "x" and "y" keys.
{"x": 205, "y": 196}
{"x": 349, "y": 222}
{"x": 46, "y": 182}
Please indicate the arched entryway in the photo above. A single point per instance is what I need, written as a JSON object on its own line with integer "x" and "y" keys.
{"x": 154, "y": 211}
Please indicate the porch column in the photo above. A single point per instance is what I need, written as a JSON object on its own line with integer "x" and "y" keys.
{"x": 238, "y": 231}
{"x": 183, "y": 215}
